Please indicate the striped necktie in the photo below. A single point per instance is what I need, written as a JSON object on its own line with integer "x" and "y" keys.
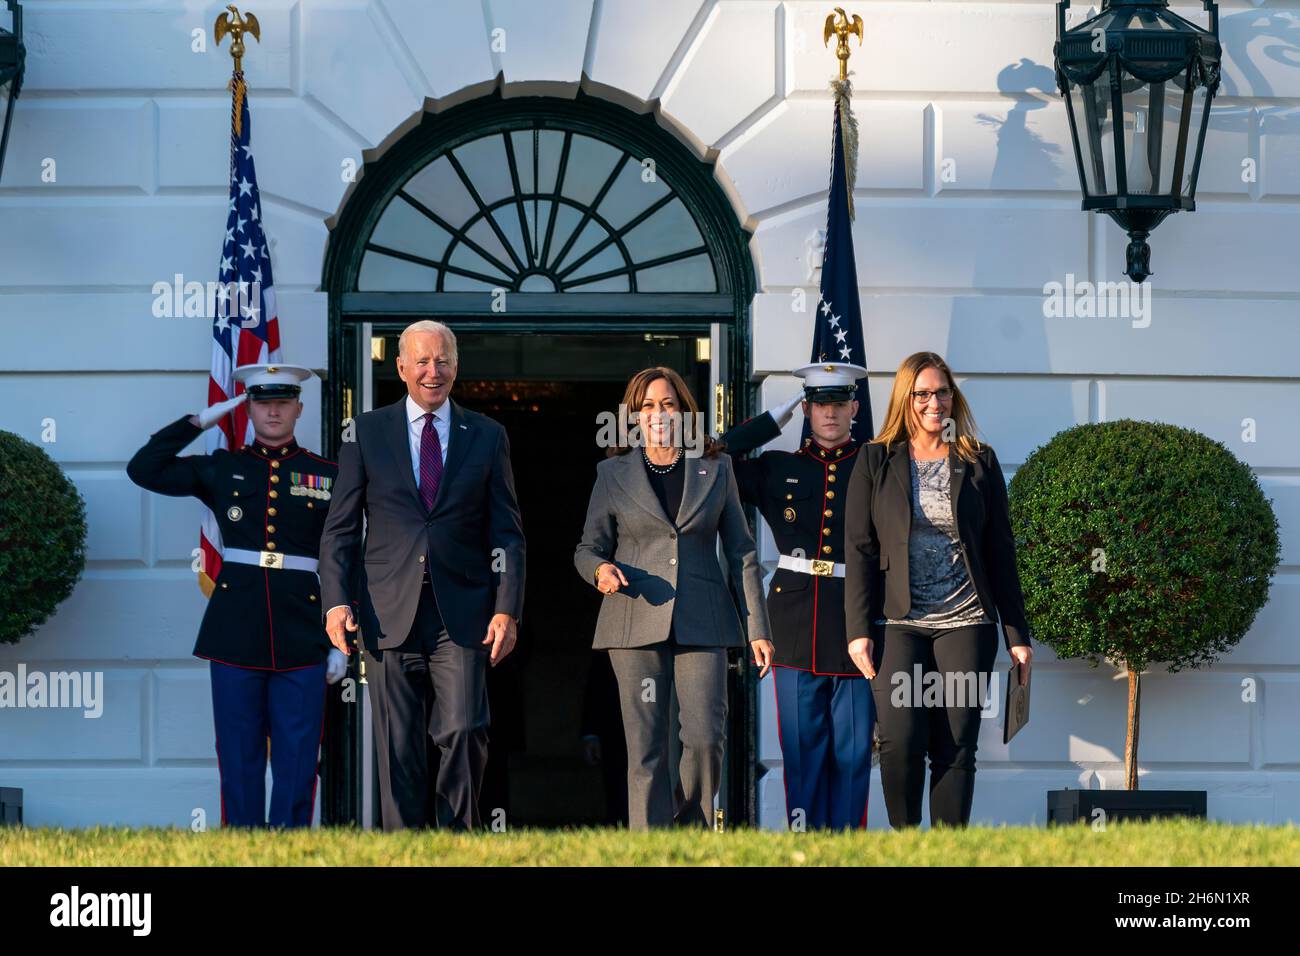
{"x": 430, "y": 462}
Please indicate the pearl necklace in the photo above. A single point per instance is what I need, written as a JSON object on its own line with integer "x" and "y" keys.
{"x": 661, "y": 469}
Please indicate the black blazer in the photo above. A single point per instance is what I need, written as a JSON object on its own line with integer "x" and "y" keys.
{"x": 878, "y": 522}
{"x": 474, "y": 513}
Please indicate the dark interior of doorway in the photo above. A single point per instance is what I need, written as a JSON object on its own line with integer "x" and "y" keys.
{"x": 550, "y": 698}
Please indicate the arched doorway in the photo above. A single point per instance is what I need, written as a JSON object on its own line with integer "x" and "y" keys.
{"x": 568, "y": 243}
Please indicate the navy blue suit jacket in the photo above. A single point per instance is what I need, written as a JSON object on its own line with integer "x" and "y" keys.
{"x": 472, "y": 540}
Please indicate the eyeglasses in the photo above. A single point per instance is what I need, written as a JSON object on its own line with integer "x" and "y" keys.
{"x": 923, "y": 395}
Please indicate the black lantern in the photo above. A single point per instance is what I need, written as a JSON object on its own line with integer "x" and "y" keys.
{"x": 11, "y": 74}
{"x": 1138, "y": 80}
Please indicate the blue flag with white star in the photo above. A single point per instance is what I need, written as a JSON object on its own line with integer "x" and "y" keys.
{"x": 837, "y": 329}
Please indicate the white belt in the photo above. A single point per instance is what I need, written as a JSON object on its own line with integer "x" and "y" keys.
{"x": 269, "y": 559}
{"x": 810, "y": 566}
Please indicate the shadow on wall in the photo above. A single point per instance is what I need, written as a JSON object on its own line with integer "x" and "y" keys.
{"x": 1248, "y": 38}
{"x": 1023, "y": 155}
{"x": 1007, "y": 332}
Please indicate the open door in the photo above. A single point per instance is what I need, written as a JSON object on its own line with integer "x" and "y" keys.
{"x": 554, "y": 695}
{"x": 737, "y": 795}
{"x": 345, "y": 743}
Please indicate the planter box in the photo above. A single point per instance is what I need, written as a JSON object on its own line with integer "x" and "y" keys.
{"x": 11, "y": 806}
{"x": 1077, "y": 806}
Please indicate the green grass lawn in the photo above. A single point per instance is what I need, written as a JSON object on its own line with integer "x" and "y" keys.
{"x": 1163, "y": 843}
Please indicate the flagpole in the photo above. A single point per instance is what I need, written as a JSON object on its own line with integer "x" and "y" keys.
{"x": 837, "y": 320}
{"x": 230, "y": 22}
{"x": 229, "y": 433}
{"x": 236, "y": 25}
{"x": 842, "y": 88}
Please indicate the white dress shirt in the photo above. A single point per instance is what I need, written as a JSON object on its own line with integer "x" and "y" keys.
{"x": 415, "y": 429}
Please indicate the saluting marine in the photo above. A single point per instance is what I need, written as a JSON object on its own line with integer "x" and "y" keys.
{"x": 825, "y": 712}
{"x": 262, "y": 631}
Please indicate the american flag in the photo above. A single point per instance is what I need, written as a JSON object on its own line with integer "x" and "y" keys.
{"x": 837, "y": 328}
{"x": 245, "y": 329}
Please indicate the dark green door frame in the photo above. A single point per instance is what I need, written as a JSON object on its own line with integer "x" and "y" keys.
{"x": 640, "y": 136}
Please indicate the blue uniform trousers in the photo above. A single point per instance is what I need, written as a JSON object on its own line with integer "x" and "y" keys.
{"x": 825, "y": 724}
{"x": 248, "y": 705}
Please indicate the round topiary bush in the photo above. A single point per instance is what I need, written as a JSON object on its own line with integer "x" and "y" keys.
{"x": 1141, "y": 543}
{"x": 42, "y": 537}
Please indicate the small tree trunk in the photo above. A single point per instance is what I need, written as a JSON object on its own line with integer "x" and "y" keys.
{"x": 1131, "y": 739}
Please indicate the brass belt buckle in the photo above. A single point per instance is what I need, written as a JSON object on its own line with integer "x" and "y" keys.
{"x": 823, "y": 568}
{"x": 271, "y": 559}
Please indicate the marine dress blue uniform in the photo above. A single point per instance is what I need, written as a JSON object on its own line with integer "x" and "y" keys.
{"x": 825, "y": 711}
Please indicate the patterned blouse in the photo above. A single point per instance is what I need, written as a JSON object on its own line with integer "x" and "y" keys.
{"x": 943, "y": 595}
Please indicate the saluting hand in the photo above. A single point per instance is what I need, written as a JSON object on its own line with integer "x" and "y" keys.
{"x": 214, "y": 413}
{"x": 609, "y": 578}
{"x": 501, "y": 635}
{"x": 861, "y": 649}
{"x": 337, "y": 622}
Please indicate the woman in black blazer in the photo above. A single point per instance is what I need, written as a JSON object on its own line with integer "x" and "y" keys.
{"x": 930, "y": 569}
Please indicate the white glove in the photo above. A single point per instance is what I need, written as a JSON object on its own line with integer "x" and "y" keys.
{"x": 336, "y": 665}
{"x": 210, "y": 416}
{"x": 783, "y": 413}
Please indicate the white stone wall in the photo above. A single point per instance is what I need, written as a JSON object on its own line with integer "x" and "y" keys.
{"x": 136, "y": 121}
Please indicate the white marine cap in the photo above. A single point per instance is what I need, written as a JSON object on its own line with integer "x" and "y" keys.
{"x": 272, "y": 381}
{"x": 830, "y": 381}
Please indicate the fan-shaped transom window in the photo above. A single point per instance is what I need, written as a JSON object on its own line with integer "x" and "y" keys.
{"x": 536, "y": 210}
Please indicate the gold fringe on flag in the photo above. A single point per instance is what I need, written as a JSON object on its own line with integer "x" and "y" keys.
{"x": 238, "y": 89}
{"x": 841, "y": 26}
{"x": 843, "y": 90}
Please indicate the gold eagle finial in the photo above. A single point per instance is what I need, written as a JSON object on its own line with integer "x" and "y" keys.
{"x": 236, "y": 25}
{"x": 843, "y": 28}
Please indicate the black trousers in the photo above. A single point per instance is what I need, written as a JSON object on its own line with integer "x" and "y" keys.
{"x": 916, "y": 721}
{"x": 429, "y": 686}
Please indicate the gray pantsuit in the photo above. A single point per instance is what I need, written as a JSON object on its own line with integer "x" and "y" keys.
{"x": 699, "y": 675}
{"x": 675, "y": 587}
